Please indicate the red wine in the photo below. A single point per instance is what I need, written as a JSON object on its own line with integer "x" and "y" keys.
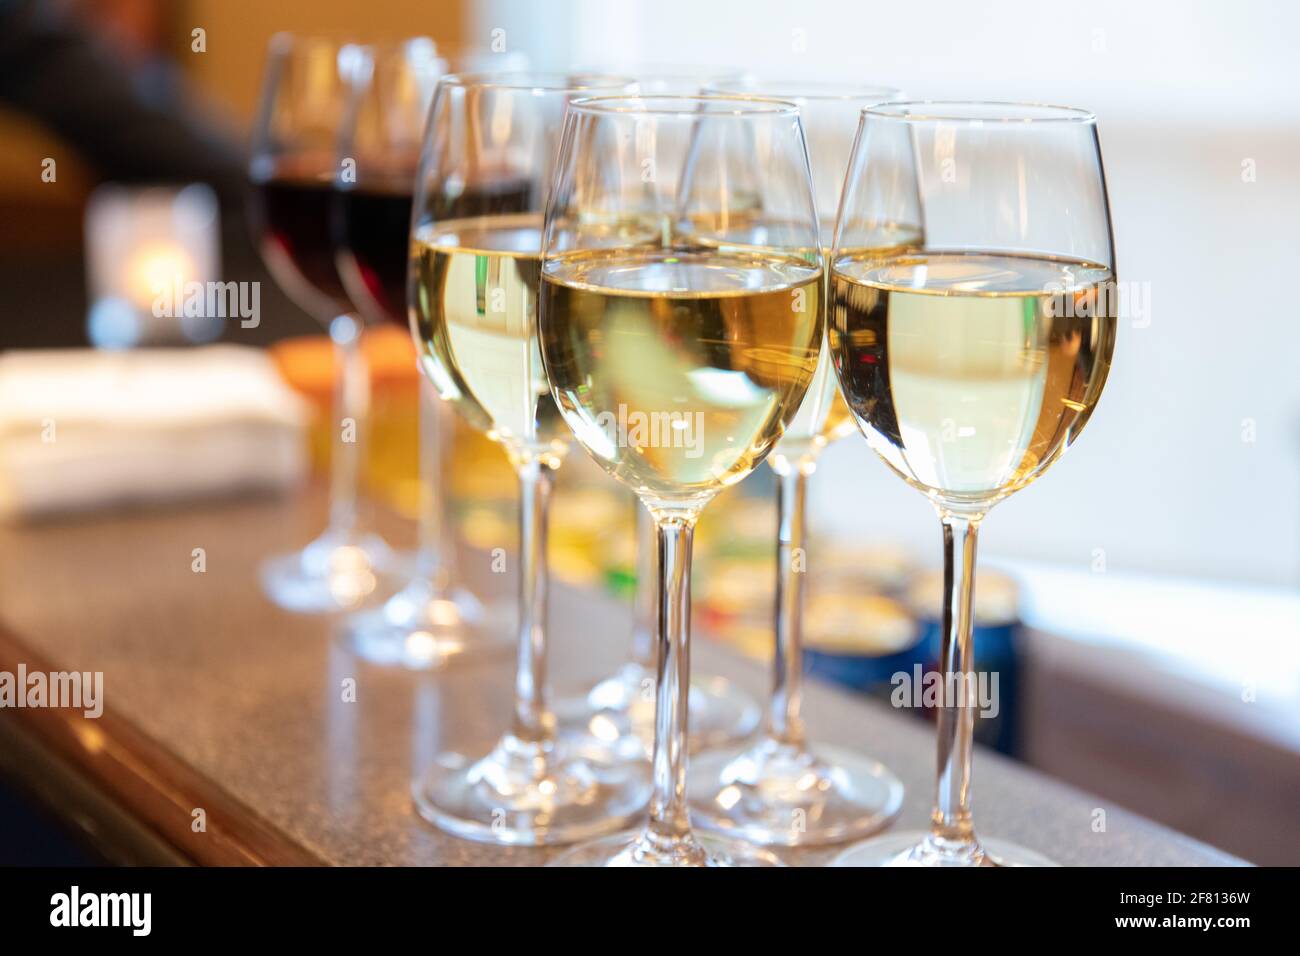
{"x": 375, "y": 224}
{"x": 373, "y": 229}
{"x": 294, "y": 224}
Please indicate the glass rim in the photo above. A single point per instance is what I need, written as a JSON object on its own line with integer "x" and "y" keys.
{"x": 976, "y": 112}
{"x": 744, "y": 105}
{"x": 818, "y": 90}
{"x": 525, "y": 81}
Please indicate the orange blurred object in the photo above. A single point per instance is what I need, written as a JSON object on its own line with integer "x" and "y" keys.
{"x": 477, "y": 471}
{"x": 391, "y": 469}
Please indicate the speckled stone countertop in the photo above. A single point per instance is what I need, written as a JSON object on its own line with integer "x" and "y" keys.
{"x": 216, "y": 699}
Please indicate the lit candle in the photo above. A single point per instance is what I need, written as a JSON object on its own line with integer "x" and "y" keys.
{"x": 145, "y": 249}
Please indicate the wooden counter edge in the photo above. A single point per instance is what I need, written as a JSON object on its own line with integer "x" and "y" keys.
{"x": 156, "y": 788}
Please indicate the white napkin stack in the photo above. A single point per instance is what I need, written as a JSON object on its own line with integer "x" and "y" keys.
{"x": 82, "y": 429}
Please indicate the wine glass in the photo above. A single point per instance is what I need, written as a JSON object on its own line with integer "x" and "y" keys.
{"x": 431, "y": 620}
{"x": 304, "y": 95}
{"x": 973, "y": 360}
{"x": 782, "y": 790}
{"x": 618, "y": 711}
{"x": 678, "y": 348}
{"x": 489, "y": 153}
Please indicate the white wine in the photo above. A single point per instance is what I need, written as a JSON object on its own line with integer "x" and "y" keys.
{"x": 823, "y": 417}
{"x": 970, "y": 372}
{"x": 476, "y": 315}
{"x": 678, "y": 369}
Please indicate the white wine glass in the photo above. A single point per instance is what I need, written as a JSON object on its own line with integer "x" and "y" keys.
{"x": 617, "y": 713}
{"x": 972, "y": 361}
{"x": 782, "y": 789}
{"x": 305, "y": 94}
{"x": 489, "y": 154}
{"x": 678, "y": 352}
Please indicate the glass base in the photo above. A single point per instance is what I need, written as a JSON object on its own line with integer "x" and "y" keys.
{"x": 618, "y": 714}
{"x": 918, "y": 848}
{"x": 336, "y": 572}
{"x": 639, "y": 848}
{"x": 423, "y": 627}
{"x": 778, "y": 794}
{"x": 526, "y": 794}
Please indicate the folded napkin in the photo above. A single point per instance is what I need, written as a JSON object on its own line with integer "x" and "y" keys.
{"x": 81, "y": 429}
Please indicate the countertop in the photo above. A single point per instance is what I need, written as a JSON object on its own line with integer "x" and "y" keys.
{"x": 217, "y": 700}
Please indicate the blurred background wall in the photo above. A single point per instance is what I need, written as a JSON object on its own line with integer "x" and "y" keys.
{"x": 238, "y": 32}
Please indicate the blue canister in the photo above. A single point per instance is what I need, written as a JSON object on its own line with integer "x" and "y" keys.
{"x": 880, "y": 645}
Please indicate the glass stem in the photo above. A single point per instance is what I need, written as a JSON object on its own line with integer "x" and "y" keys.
{"x": 950, "y": 822}
{"x": 783, "y": 721}
{"x": 534, "y": 722}
{"x": 669, "y": 820}
{"x": 644, "y": 611}
{"x": 430, "y": 544}
{"x": 351, "y": 408}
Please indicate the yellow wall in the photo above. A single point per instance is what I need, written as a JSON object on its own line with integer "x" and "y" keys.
{"x": 238, "y": 31}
